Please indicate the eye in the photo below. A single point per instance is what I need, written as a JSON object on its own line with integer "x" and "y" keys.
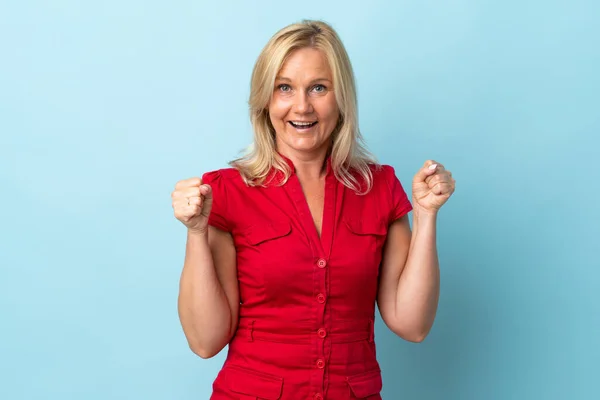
{"x": 319, "y": 88}
{"x": 284, "y": 87}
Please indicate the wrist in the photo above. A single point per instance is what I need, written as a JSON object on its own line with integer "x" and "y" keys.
{"x": 197, "y": 233}
{"x": 424, "y": 215}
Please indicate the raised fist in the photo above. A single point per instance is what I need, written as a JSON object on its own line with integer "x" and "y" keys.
{"x": 432, "y": 186}
{"x": 192, "y": 202}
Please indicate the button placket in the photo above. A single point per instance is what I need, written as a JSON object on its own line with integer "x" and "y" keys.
{"x": 321, "y": 246}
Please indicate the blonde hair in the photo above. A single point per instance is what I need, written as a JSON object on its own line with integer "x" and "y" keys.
{"x": 349, "y": 156}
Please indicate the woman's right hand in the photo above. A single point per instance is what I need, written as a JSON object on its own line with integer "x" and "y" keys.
{"x": 192, "y": 202}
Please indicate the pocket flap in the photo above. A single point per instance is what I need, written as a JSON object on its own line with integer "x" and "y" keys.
{"x": 259, "y": 233}
{"x": 366, "y": 226}
{"x": 254, "y": 383}
{"x": 365, "y": 384}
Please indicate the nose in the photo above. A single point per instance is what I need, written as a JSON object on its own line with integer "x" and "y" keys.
{"x": 302, "y": 103}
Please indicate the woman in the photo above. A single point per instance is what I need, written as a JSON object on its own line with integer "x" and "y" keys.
{"x": 288, "y": 251}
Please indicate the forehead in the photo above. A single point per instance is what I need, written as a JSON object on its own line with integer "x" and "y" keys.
{"x": 306, "y": 63}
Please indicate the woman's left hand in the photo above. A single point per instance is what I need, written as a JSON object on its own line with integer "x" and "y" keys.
{"x": 432, "y": 186}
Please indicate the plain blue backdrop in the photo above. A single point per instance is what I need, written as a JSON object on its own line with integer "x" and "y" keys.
{"x": 105, "y": 105}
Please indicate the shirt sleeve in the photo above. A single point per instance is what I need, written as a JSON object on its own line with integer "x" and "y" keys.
{"x": 400, "y": 205}
{"x": 218, "y": 214}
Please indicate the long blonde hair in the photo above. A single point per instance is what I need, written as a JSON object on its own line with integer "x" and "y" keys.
{"x": 349, "y": 156}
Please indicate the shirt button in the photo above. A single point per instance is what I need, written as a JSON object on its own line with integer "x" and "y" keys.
{"x": 321, "y": 298}
{"x": 321, "y": 263}
{"x": 322, "y": 333}
{"x": 320, "y": 364}
{"x": 318, "y": 396}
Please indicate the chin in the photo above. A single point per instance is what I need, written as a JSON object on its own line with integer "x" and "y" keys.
{"x": 304, "y": 144}
{"x": 308, "y": 140}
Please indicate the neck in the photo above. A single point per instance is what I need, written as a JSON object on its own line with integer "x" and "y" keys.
{"x": 309, "y": 166}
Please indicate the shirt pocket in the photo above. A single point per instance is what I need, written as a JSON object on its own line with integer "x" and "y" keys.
{"x": 250, "y": 384}
{"x": 366, "y": 226}
{"x": 272, "y": 262}
{"x": 366, "y": 238}
{"x": 366, "y": 385}
{"x": 260, "y": 233}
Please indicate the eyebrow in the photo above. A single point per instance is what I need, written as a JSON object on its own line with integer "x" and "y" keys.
{"x": 284, "y": 79}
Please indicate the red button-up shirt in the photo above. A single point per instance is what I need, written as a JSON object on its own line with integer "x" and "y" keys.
{"x": 307, "y": 302}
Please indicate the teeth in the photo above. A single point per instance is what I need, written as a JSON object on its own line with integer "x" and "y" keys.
{"x": 302, "y": 123}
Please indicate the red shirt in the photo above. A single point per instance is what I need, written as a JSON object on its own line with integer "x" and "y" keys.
{"x": 307, "y": 303}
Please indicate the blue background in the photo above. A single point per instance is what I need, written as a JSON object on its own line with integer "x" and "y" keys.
{"x": 105, "y": 105}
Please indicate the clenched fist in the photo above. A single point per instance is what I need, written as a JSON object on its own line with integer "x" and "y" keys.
{"x": 192, "y": 202}
{"x": 432, "y": 186}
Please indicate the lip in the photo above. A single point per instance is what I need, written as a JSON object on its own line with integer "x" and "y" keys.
{"x": 311, "y": 124}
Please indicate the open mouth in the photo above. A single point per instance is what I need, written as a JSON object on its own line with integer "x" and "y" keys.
{"x": 302, "y": 124}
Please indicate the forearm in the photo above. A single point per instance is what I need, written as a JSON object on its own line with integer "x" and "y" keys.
{"x": 418, "y": 286}
{"x": 203, "y": 307}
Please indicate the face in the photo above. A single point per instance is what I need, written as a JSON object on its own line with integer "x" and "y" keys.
{"x": 303, "y": 108}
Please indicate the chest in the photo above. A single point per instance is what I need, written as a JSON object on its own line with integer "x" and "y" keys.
{"x": 314, "y": 194}
{"x": 291, "y": 237}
